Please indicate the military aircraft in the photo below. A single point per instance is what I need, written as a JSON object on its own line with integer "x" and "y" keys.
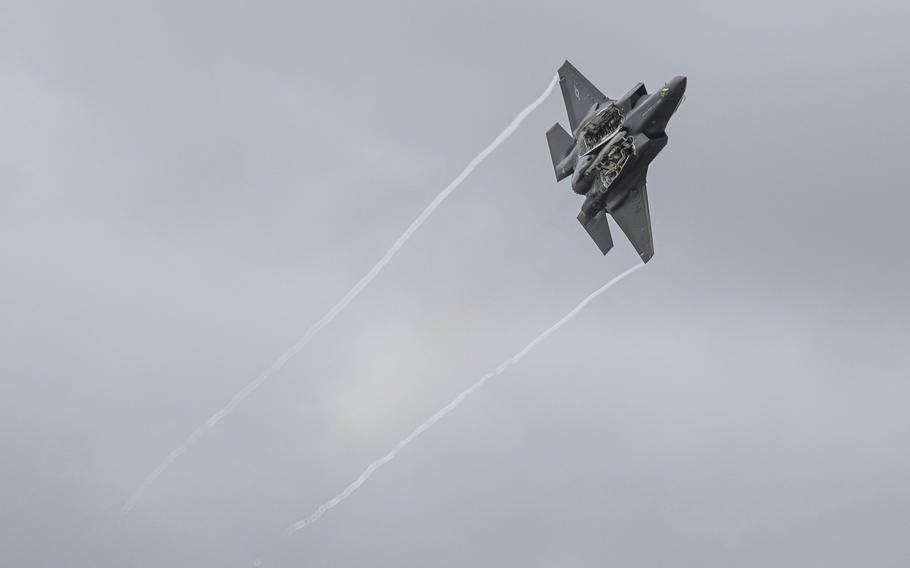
{"x": 608, "y": 153}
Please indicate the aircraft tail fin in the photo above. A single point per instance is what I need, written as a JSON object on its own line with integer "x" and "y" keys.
{"x": 599, "y": 230}
{"x": 560, "y": 143}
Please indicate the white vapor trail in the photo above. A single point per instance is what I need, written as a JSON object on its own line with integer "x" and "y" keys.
{"x": 371, "y": 469}
{"x": 342, "y": 303}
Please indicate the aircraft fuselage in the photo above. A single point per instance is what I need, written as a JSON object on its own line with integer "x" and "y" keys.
{"x": 609, "y": 151}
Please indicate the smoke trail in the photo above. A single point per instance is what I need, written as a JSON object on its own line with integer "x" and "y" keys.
{"x": 342, "y": 303}
{"x": 371, "y": 469}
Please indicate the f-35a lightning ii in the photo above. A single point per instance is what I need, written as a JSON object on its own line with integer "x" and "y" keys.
{"x": 608, "y": 153}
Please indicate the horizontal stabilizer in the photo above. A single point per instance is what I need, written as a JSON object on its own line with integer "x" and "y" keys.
{"x": 599, "y": 229}
{"x": 560, "y": 143}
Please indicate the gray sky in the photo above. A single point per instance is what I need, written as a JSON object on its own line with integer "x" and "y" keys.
{"x": 185, "y": 188}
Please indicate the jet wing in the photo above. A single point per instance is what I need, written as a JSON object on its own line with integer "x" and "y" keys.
{"x": 634, "y": 219}
{"x": 578, "y": 93}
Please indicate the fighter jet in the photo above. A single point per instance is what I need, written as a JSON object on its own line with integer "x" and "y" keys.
{"x": 608, "y": 153}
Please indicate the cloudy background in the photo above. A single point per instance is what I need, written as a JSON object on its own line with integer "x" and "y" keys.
{"x": 185, "y": 188}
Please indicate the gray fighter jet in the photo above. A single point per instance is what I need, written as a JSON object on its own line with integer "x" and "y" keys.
{"x": 608, "y": 153}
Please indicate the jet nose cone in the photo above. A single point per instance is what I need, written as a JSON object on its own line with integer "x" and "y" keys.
{"x": 678, "y": 83}
{"x": 674, "y": 89}
{"x": 664, "y": 105}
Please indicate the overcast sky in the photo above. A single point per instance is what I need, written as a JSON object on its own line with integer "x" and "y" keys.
{"x": 186, "y": 187}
